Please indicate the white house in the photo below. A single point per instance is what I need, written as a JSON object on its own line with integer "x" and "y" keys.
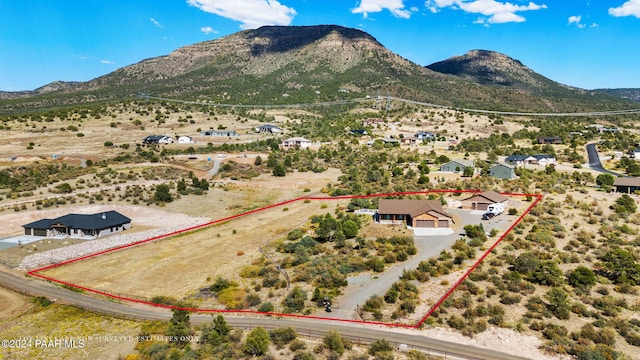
{"x": 636, "y": 154}
{"x": 300, "y": 142}
{"x": 185, "y": 140}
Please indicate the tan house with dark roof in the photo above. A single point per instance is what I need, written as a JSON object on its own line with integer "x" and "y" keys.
{"x": 413, "y": 213}
{"x": 482, "y": 200}
{"x": 628, "y": 185}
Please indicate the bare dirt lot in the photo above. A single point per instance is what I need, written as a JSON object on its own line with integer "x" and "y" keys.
{"x": 11, "y": 306}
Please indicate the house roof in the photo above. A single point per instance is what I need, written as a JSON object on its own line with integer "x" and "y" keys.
{"x": 155, "y": 137}
{"x": 516, "y": 158}
{"x": 491, "y": 196}
{"x": 410, "y": 207}
{"x": 627, "y": 181}
{"x": 504, "y": 165}
{"x": 463, "y": 162}
{"x": 544, "y": 156}
{"x": 98, "y": 221}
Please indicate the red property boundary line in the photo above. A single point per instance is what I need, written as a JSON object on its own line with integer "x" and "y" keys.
{"x": 37, "y": 272}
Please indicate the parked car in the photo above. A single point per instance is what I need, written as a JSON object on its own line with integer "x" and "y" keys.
{"x": 488, "y": 215}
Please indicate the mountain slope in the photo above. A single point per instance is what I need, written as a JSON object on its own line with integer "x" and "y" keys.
{"x": 626, "y": 93}
{"x": 281, "y": 64}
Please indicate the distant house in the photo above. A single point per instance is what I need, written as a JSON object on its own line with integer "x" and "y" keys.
{"x": 550, "y": 140}
{"x": 413, "y": 213}
{"x": 519, "y": 160}
{"x": 79, "y": 226}
{"x": 358, "y": 132}
{"x": 157, "y": 139}
{"x": 636, "y": 154}
{"x": 219, "y": 133}
{"x": 185, "y": 140}
{"x": 456, "y": 165}
{"x": 268, "y": 128}
{"x": 411, "y": 141}
{"x": 299, "y": 142}
{"x": 482, "y": 200}
{"x": 423, "y": 135}
{"x": 390, "y": 141}
{"x": 502, "y": 171}
{"x": 372, "y": 122}
{"x": 544, "y": 160}
{"x": 628, "y": 185}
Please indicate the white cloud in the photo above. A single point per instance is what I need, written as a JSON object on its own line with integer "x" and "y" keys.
{"x": 396, "y": 7}
{"x": 629, "y": 8}
{"x": 208, "y": 30}
{"x": 155, "y": 22}
{"x": 251, "y": 13}
{"x": 496, "y": 12}
{"x": 576, "y": 19}
{"x": 108, "y": 62}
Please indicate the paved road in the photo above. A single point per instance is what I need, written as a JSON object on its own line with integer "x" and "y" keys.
{"x": 359, "y": 333}
{"x": 594, "y": 160}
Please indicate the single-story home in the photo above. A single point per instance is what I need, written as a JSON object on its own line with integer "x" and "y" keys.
{"x": 456, "y": 165}
{"x": 185, "y": 140}
{"x": 502, "y": 171}
{"x": 423, "y": 135}
{"x": 413, "y": 213}
{"x": 544, "y": 160}
{"x": 541, "y": 159}
{"x": 636, "y": 154}
{"x": 79, "y": 225}
{"x": 220, "y": 133}
{"x": 268, "y": 128}
{"x": 550, "y": 140}
{"x": 373, "y": 122}
{"x": 300, "y": 142}
{"x": 482, "y": 200}
{"x": 358, "y": 132}
{"x": 627, "y": 185}
{"x": 157, "y": 139}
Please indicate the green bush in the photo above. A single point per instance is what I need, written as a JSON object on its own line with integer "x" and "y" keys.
{"x": 257, "y": 342}
{"x": 282, "y": 336}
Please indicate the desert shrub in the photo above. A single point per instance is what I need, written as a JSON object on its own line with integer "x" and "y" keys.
{"x": 558, "y": 303}
{"x": 295, "y": 234}
{"x": 620, "y": 267}
{"x": 294, "y": 302}
{"x": 375, "y": 302}
{"x": 297, "y": 344}
{"x": 257, "y": 342}
{"x": 266, "y": 307}
{"x": 253, "y": 299}
{"x": 457, "y": 322}
{"x": 582, "y": 277}
{"x": 335, "y": 342}
{"x": 554, "y": 331}
{"x": 282, "y": 336}
{"x": 380, "y": 346}
{"x": 219, "y": 285}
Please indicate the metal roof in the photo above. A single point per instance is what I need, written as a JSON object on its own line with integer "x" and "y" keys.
{"x": 98, "y": 221}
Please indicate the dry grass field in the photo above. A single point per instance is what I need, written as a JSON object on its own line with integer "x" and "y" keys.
{"x": 183, "y": 264}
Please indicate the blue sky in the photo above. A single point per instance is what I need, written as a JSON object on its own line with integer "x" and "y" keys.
{"x": 584, "y": 43}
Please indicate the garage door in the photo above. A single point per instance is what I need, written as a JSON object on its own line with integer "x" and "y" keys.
{"x": 425, "y": 223}
{"x": 482, "y": 206}
{"x": 443, "y": 223}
